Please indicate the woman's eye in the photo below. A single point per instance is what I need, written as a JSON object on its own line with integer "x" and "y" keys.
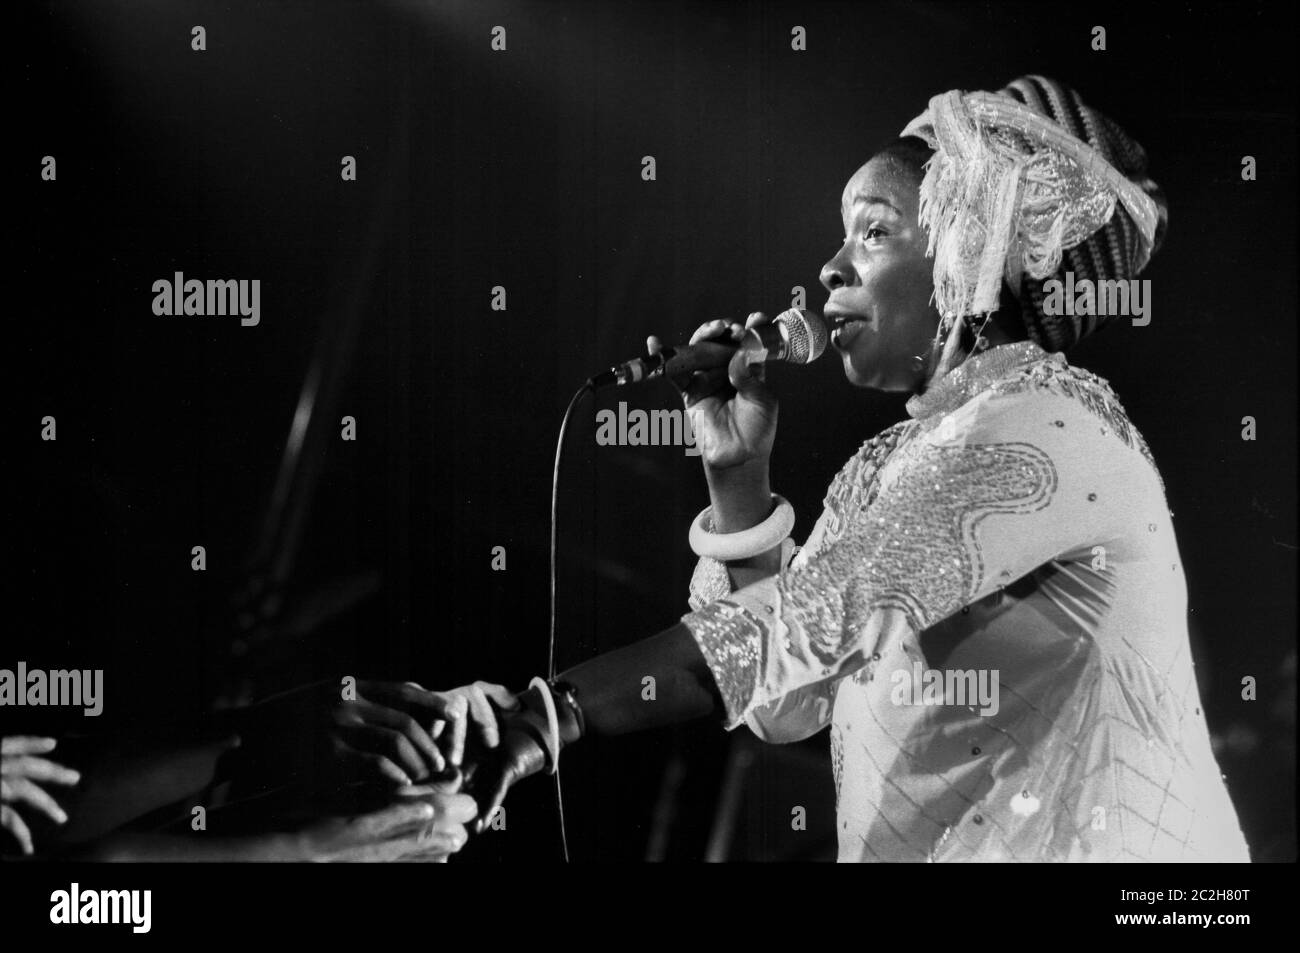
{"x": 873, "y": 232}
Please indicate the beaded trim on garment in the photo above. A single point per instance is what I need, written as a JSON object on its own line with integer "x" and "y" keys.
{"x": 1007, "y": 369}
{"x": 1014, "y": 368}
{"x": 975, "y": 374}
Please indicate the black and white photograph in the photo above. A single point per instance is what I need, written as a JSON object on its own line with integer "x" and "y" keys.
{"x": 562, "y": 434}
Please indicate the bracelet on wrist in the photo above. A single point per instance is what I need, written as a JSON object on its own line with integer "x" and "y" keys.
{"x": 539, "y": 692}
{"x": 573, "y": 724}
{"x": 746, "y": 544}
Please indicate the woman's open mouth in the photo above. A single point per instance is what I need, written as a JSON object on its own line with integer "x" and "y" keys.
{"x": 844, "y": 327}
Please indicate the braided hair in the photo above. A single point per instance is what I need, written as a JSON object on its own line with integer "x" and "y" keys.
{"x": 1111, "y": 252}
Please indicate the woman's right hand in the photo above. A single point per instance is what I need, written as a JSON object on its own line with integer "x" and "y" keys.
{"x": 733, "y": 426}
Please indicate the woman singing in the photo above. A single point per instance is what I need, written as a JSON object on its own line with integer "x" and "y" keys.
{"x": 1012, "y": 531}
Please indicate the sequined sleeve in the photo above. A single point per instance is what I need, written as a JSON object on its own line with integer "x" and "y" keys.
{"x": 710, "y": 580}
{"x": 793, "y": 717}
{"x": 976, "y": 500}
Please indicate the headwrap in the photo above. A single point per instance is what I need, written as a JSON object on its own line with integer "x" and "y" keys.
{"x": 1025, "y": 184}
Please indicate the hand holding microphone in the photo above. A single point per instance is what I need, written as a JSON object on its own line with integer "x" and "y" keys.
{"x": 721, "y": 375}
{"x": 796, "y": 336}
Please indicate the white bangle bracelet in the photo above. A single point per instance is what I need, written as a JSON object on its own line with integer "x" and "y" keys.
{"x": 728, "y": 547}
{"x": 552, "y": 722}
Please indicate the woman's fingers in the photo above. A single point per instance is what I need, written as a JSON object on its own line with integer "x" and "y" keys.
{"x": 26, "y": 744}
{"x": 707, "y": 331}
{"x": 713, "y": 330}
{"x": 412, "y": 829}
{"x": 374, "y": 741}
{"x": 38, "y": 769}
{"x": 408, "y": 697}
{"x": 390, "y": 731}
{"x": 394, "y": 819}
{"x": 481, "y": 711}
{"x": 11, "y": 822}
{"x": 366, "y": 764}
{"x": 378, "y": 764}
{"x": 451, "y": 783}
{"x": 717, "y": 338}
{"x": 454, "y": 809}
{"x": 499, "y": 695}
{"x": 438, "y": 709}
{"x": 492, "y": 799}
{"x": 705, "y": 384}
{"x": 435, "y": 845}
{"x": 395, "y": 747}
{"x": 22, "y": 791}
{"x": 745, "y": 374}
{"x": 445, "y": 833}
{"x": 408, "y": 727}
{"x": 459, "y": 728}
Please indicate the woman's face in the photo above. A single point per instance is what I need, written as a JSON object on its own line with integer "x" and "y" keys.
{"x": 880, "y": 280}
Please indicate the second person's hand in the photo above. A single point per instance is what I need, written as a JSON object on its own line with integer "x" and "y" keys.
{"x": 405, "y": 733}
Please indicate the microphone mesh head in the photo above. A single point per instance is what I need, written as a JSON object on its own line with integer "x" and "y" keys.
{"x": 807, "y": 335}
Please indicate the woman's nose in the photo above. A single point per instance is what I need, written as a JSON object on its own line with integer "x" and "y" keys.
{"x": 836, "y": 273}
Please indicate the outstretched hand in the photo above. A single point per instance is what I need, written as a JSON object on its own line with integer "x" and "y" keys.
{"x": 427, "y": 825}
{"x": 489, "y": 774}
{"x": 23, "y": 772}
{"x": 404, "y": 733}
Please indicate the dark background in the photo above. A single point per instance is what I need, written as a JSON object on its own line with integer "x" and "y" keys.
{"x": 522, "y": 169}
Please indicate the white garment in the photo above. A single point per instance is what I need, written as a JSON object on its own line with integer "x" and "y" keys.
{"x": 1015, "y": 527}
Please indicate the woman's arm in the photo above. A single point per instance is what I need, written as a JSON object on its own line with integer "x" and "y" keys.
{"x": 741, "y": 497}
{"x": 733, "y": 416}
{"x": 662, "y": 680}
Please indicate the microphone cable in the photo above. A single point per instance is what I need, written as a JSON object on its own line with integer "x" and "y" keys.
{"x": 550, "y": 660}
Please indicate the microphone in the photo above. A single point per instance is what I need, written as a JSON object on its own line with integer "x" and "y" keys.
{"x": 796, "y": 336}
